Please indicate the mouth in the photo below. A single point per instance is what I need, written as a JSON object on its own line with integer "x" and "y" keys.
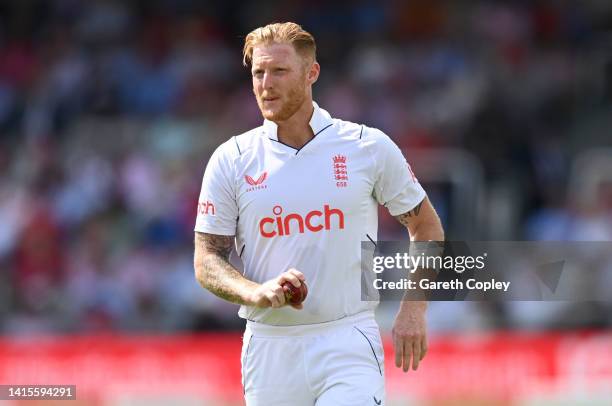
{"x": 270, "y": 99}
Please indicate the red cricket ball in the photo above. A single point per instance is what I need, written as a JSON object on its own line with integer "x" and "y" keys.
{"x": 295, "y": 295}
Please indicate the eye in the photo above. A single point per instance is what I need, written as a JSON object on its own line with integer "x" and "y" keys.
{"x": 257, "y": 73}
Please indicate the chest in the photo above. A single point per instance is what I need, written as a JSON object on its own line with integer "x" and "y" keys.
{"x": 272, "y": 183}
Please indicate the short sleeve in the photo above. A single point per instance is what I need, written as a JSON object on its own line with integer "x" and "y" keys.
{"x": 395, "y": 186}
{"x": 217, "y": 211}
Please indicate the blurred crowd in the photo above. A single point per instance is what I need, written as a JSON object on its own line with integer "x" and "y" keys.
{"x": 110, "y": 109}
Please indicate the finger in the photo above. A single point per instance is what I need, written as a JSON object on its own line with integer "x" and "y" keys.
{"x": 423, "y": 347}
{"x": 297, "y": 273}
{"x": 272, "y": 299}
{"x": 289, "y": 277}
{"x": 276, "y": 296}
{"x": 407, "y": 355}
{"x": 399, "y": 351}
{"x": 279, "y": 291}
{"x": 416, "y": 354}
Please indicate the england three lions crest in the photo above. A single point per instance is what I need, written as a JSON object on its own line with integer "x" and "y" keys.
{"x": 340, "y": 170}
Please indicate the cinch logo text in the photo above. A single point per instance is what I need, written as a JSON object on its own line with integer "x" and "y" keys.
{"x": 206, "y": 208}
{"x": 314, "y": 221}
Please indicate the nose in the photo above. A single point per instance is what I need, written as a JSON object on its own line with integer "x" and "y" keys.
{"x": 266, "y": 81}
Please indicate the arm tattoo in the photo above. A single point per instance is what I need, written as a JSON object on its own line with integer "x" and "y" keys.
{"x": 220, "y": 245}
{"x": 403, "y": 218}
{"x": 213, "y": 270}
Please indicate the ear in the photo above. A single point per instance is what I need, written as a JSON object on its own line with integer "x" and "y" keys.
{"x": 313, "y": 72}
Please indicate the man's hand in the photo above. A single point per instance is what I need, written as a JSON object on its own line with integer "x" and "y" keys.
{"x": 410, "y": 335}
{"x": 272, "y": 294}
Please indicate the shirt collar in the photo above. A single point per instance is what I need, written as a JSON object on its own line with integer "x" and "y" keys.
{"x": 320, "y": 120}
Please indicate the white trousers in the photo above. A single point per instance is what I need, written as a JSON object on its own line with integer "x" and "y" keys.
{"x": 334, "y": 363}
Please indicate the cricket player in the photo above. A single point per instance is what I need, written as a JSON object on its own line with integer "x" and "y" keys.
{"x": 297, "y": 196}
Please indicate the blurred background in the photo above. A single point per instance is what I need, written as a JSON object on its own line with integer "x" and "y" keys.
{"x": 109, "y": 111}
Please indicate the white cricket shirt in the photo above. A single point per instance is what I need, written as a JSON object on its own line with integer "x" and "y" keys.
{"x": 307, "y": 209}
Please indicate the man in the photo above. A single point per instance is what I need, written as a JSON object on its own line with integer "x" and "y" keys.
{"x": 298, "y": 195}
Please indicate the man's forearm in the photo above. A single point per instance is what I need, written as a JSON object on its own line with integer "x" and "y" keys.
{"x": 428, "y": 228}
{"x": 428, "y": 231}
{"x": 215, "y": 273}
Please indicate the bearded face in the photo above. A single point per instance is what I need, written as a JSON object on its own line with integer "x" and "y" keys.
{"x": 279, "y": 80}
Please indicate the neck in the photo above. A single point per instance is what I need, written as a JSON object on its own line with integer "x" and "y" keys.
{"x": 296, "y": 131}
